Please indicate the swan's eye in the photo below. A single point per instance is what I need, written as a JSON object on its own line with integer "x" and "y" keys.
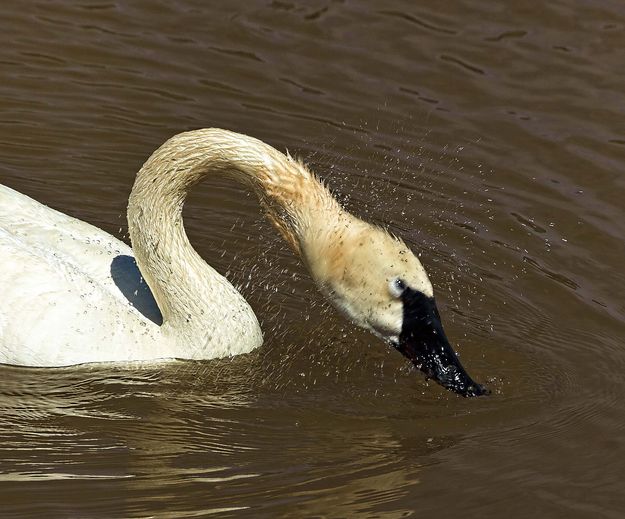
{"x": 396, "y": 287}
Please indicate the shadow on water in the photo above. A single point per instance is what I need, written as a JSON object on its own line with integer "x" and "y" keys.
{"x": 128, "y": 279}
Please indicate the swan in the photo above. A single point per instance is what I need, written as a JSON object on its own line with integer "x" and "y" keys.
{"x": 73, "y": 294}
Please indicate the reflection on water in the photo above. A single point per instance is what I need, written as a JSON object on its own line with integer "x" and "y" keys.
{"x": 140, "y": 433}
{"x": 488, "y": 136}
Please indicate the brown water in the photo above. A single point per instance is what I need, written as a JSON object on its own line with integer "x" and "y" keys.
{"x": 490, "y": 135}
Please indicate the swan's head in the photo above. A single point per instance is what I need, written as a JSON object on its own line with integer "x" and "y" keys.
{"x": 377, "y": 282}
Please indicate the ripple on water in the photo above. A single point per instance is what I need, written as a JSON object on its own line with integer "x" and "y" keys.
{"x": 489, "y": 137}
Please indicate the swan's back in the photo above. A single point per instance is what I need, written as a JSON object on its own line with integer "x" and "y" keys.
{"x": 58, "y": 276}
{"x": 42, "y": 228}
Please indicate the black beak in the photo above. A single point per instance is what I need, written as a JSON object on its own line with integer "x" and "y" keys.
{"x": 423, "y": 341}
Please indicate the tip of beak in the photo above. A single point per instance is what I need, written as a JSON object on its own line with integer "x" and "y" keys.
{"x": 475, "y": 390}
{"x": 456, "y": 379}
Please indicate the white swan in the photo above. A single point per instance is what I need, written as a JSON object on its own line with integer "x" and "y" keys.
{"x": 71, "y": 293}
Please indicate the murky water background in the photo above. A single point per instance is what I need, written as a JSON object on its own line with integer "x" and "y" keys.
{"x": 489, "y": 134}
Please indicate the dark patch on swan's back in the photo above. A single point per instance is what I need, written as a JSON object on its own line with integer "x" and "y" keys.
{"x": 128, "y": 279}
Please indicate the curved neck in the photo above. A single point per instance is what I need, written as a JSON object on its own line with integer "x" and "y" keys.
{"x": 187, "y": 290}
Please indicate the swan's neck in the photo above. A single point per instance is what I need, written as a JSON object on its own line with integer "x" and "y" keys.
{"x": 190, "y": 294}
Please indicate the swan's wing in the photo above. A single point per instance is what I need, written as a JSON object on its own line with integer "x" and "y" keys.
{"x": 47, "y": 302}
{"x": 101, "y": 257}
{"x": 57, "y": 271}
{"x": 41, "y": 227}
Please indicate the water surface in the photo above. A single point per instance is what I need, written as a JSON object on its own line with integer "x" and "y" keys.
{"x": 489, "y": 135}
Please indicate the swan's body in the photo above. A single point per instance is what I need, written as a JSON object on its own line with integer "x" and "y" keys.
{"x": 60, "y": 303}
{"x": 72, "y": 293}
